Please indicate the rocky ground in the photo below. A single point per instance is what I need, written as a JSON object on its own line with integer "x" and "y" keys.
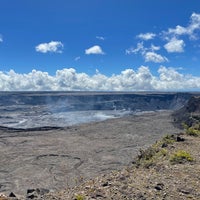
{"x": 167, "y": 170}
{"x": 56, "y": 159}
{"x": 170, "y": 170}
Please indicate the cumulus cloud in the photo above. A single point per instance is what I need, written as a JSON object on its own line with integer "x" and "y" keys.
{"x": 179, "y": 30}
{"x": 128, "y": 80}
{"x": 94, "y": 50}
{"x": 154, "y": 57}
{"x": 172, "y": 37}
{"x": 146, "y": 36}
{"x": 148, "y": 53}
{"x": 53, "y": 46}
{"x": 175, "y": 45}
{"x": 140, "y": 48}
{"x": 194, "y": 25}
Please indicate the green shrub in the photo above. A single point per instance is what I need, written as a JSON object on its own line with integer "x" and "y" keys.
{"x": 146, "y": 157}
{"x": 79, "y": 197}
{"x": 169, "y": 139}
{"x": 147, "y": 154}
{"x": 165, "y": 141}
{"x": 181, "y": 157}
{"x": 193, "y": 131}
{"x": 163, "y": 152}
{"x": 150, "y": 156}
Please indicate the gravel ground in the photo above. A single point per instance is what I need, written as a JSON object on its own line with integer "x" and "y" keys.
{"x": 56, "y": 159}
{"x": 161, "y": 179}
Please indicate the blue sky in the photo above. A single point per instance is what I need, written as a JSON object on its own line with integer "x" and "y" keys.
{"x": 99, "y": 45}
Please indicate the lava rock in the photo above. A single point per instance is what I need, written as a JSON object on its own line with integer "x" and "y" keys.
{"x": 180, "y": 139}
{"x": 159, "y": 186}
{"x": 36, "y": 193}
{"x": 12, "y": 194}
{"x": 105, "y": 184}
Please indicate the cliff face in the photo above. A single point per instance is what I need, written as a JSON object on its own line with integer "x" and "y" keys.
{"x": 97, "y": 101}
{"x": 190, "y": 113}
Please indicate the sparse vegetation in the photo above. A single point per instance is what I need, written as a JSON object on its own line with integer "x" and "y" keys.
{"x": 79, "y": 197}
{"x": 146, "y": 157}
{"x": 193, "y": 130}
{"x": 169, "y": 139}
{"x": 166, "y": 140}
{"x": 181, "y": 156}
{"x": 157, "y": 151}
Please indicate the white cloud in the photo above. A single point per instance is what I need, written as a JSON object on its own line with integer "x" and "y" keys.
{"x": 179, "y": 30}
{"x": 94, "y": 50}
{"x": 140, "y": 48}
{"x": 53, "y": 46}
{"x": 175, "y": 45}
{"x": 148, "y": 53}
{"x": 100, "y": 38}
{"x": 146, "y": 36}
{"x": 189, "y": 30}
{"x": 154, "y": 57}
{"x": 127, "y": 80}
{"x": 174, "y": 42}
{"x": 155, "y": 48}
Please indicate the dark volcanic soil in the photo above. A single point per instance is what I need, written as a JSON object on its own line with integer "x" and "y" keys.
{"x": 53, "y": 159}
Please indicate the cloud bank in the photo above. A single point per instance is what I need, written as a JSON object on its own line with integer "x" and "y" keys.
{"x": 68, "y": 79}
{"x": 53, "y": 46}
